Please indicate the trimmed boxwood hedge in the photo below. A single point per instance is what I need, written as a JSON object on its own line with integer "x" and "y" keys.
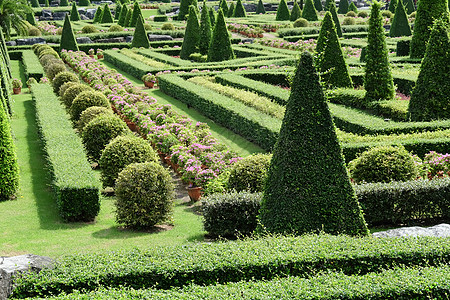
{"x": 32, "y": 66}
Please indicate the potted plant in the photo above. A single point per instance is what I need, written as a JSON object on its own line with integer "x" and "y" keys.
{"x": 17, "y": 86}
{"x": 99, "y": 53}
{"x": 91, "y": 53}
{"x": 149, "y": 80}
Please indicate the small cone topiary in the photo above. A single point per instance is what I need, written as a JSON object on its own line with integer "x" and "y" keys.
{"x": 282, "y": 12}
{"x": 352, "y": 7}
{"x": 326, "y": 27}
{"x": 409, "y": 6}
{"x": 260, "y": 8}
{"x": 224, "y": 6}
{"x": 307, "y": 188}
{"x": 400, "y": 24}
{"x": 98, "y": 15}
{"x": 74, "y": 14}
{"x": 205, "y": 30}
{"x": 9, "y": 170}
{"x": 318, "y": 5}
{"x": 309, "y": 12}
{"x": 343, "y": 7}
{"x": 140, "y": 38}
{"x": 295, "y": 12}
{"x": 46, "y": 3}
{"x": 84, "y": 3}
{"x": 35, "y": 3}
{"x": 106, "y": 15}
{"x": 183, "y": 10}
{"x": 392, "y": 5}
{"x": 127, "y": 20}
{"x": 239, "y": 11}
{"x": 212, "y": 17}
{"x": 231, "y": 10}
{"x": 191, "y": 35}
{"x": 220, "y": 48}
{"x": 332, "y": 10}
{"x": 68, "y": 40}
{"x": 378, "y": 81}
{"x": 123, "y": 15}
{"x": 117, "y": 13}
{"x": 136, "y": 13}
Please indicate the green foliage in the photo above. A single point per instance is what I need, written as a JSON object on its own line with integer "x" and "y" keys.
{"x": 343, "y": 7}
{"x": 35, "y": 3}
{"x": 68, "y": 40}
{"x": 337, "y": 25}
{"x": 205, "y": 31}
{"x": 224, "y": 6}
{"x": 326, "y": 28}
{"x": 89, "y": 29}
{"x": 84, "y": 3}
{"x": 128, "y": 18}
{"x": 72, "y": 92}
{"x": 140, "y": 37}
{"x": 409, "y": 6}
{"x": 123, "y": 15}
{"x": 307, "y": 187}
{"x": 318, "y": 5}
{"x": 121, "y": 152}
{"x": 13, "y": 17}
{"x": 249, "y": 174}
{"x": 191, "y": 36}
{"x": 54, "y": 69}
{"x": 98, "y": 15}
{"x": 184, "y": 10}
{"x": 9, "y": 170}
{"x": 31, "y": 19}
{"x": 74, "y": 14}
{"x": 62, "y": 78}
{"x": 300, "y": 22}
{"x": 239, "y": 11}
{"x": 352, "y": 7}
{"x": 260, "y": 8}
{"x": 212, "y": 17}
{"x": 90, "y": 114}
{"x": 427, "y": 12}
{"x": 118, "y": 10}
{"x": 115, "y": 28}
{"x": 400, "y": 24}
{"x": 309, "y": 12}
{"x": 430, "y": 97}
{"x": 296, "y": 13}
{"x": 220, "y": 48}
{"x": 393, "y": 5}
{"x": 145, "y": 195}
{"x": 283, "y": 13}
{"x": 106, "y": 15}
{"x": 231, "y": 10}
{"x": 85, "y": 99}
{"x": 378, "y": 80}
{"x": 136, "y": 13}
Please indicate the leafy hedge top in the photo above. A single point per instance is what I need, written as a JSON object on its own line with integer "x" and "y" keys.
{"x": 9, "y": 170}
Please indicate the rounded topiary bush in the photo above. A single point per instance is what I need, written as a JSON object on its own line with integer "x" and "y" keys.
{"x": 84, "y": 100}
{"x": 54, "y": 69}
{"x": 167, "y": 26}
{"x": 90, "y": 114}
{"x": 349, "y": 21}
{"x": 387, "y": 14}
{"x": 148, "y": 27}
{"x": 89, "y": 29}
{"x": 48, "y": 51}
{"x": 100, "y": 131}
{"x": 122, "y": 151}
{"x": 62, "y": 78}
{"x": 48, "y": 60}
{"x": 65, "y": 86}
{"x": 384, "y": 164}
{"x": 351, "y": 14}
{"x": 249, "y": 174}
{"x": 34, "y": 31}
{"x": 301, "y": 22}
{"x": 145, "y": 194}
{"x": 115, "y": 28}
{"x": 73, "y": 91}
{"x": 363, "y": 14}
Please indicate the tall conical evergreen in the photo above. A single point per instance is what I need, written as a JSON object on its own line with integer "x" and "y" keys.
{"x": 74, "y": 14}
{"x": 231, "y": 10}
{"x": 64, "y": 3}
{"x": 392, "y": 6}
{"x": 326, "y": 27}
{"x": 107, "y": 16}
{"x": 195, "y": 4}
{"x": 84, "y": 3}
{"x": 68, "y": 40}
{"x": 352, "y": 7}
{"x": 409, "y": 6}
{"x": 239, "y": 11}
{"x": 309, "y": 12}
{"x": 30, "y": 18}
{"x": 136, "y": 13}
{"x": 123, "y": 15}
{"x": 427, "y": 12}
{"x": 295, "y": 12}
{"x": 332, "y": 63}
{"x": 378, "y": 80}
{"x": 220, "y": 48}
{"x": 191, "y": 35}
{"x": 332, "y": 10}
{"x": 205, "y": 30}
{"x": 260, "y": 8}
{"x": 283, "y": 13}
{"x": 327, "y": 4}
{"x": 430, "y": 97}
{"x": 224, "y": 6}
{"x": 98, "y": 15}
{"x": 183, "y": 10}
{"x": 318, "y": 5}
{"x": 307, "y": 188}
{"x": 35, "y": 3}
{"x": 343, "y": 7}
{"x": 140, "y": 38}
{"x": 118, "y": 9}
{"x": 400, "y": 24}
{"x": 212, "y": 17}
{"x": 127, "y": 20}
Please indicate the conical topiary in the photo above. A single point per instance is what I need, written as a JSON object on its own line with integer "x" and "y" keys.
{"x": 260, "y": 8}
{"x": 400, "y": 24}
{"x": 430, "y": 97}
{"x": 68, "y": 40}
{"x": 409, "y": 6}
{"x": 35, "y": 3}
{"x": 318, "y": 5}
{"x": 191, "y": 35}
{"x": 392, "y": 5}
{"x": 378, "y": 80}
{"x": 301, "y": 4}
{"x": 224, "y": 6}
{"x": 283, "y": 13}
{"x": 239, "y": 11}
{"x": 307, "y": 188}
{"x": 84, "y": 3}
{"x": 195, "y": 4}
{"x": 123, "y": 15}
{"x": 295, "y": 12}
{"x": 326, "y": 27}
{"x": 231, "y": 10}
{"x": 136, "y": 13}
{"x": 205, "y": 30}
{"x": 352, "y": 7}
{"x": 106, "y": 15}
{"x": 309, "y": 12}
{"x": 427, "y": 12}
{"x": 118, "y": 9}
{"x": 140, "y": 38}
{"x": 343, "y": 7}
{"x": 30, "y": 18}
{"x": 332, "y": 10}
{"x": 74, "y": 14}
{"x": 327, "y": 4}
{"x": 98, "y": 15}
{"x": 212, "y": 17}
{"x": 127, "y": 20}
{"x": 220, "y": 48}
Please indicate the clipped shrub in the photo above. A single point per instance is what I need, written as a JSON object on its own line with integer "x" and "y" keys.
{"x": 191, "y": 35}
{"x": 391, "y": 8}
{"x": 72, "y": 92}
{"x": 63, "y": 3}
{"x": 249, "y": 174}
{"x": 123, "y": 15}
{"x": 363, "y": 14}
{"x": 100, "y": 131}
{"x": 65, "y": 86}
{"x": 212, "y": 17}
{"x": 220, "y": 48}
{"x": 106, "y": 15}
{"x": 387, "y": 13}
{"x": 140, "y": 38}
{"x": 98, "y": 15}
{"x": 162, "y": 18}
{"x": 349, "y": 21}
{"x": 309, "y": 12}
{"x": 117, "y": 12}
{"x": 343, "y": 7}
{"x": 223, "y": 5}
{"x": 231, "y": 10}
{"x": 35, "y": 3}
{"x": 136, "y": 13}
{"x": 409, "y": 6}
{"x": 115, "y": 28}
{"x": 68, "y": 40}
{"x": 283, "y": 13}
{"x": 128, "y": 18}
{"x": 231, "y": 214}
{"x": 89, "y": 29}
{"x": 351, "y": 14}
{"x": 145, "y": 195}
{"x": 62, "y": 78}
{"x": 400, "y": 24}
{"x": 384, "y": 164}
{"x": 84, "y": 3}
{"x": 318, "y": 5}
{"x": 184, "y": 9}
{"x": 54, "y": 69}
{"x": 307, "y": 187}
{"x": 74, "y": 14}
{"x": 84, "y": 100}
{"x": 337, "y": 25}
{"x": 205, "y": 31}
{"x": 296, "y": 12}
{"x": 121, "y": 152}
{"x": 239, "y": 11}
{"x": 352, "y": 7}
{"x": 301, "y": 22}
{"x": 260, "y": 9}
{"x": 90, "y": 114}
{"x": 168, "y": 26}
{"x": 9, "y": 169}
{"x": 34, "y": 31}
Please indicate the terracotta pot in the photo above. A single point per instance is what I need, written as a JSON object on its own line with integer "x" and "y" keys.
{"x": 17, "y": 90}
{"x": 114, "y": 109}
{"x": 132, "y": 126}
{"x": 161, "y": 155}
{"x": 167, "y": 160}
{"x": 99, "y": 56}
{"x": 195, "y": 193}
{"x": 91, "y": 55}
{"x": 149, "y": 84}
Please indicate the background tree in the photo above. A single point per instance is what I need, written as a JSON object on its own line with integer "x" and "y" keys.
{"x": 84, "y": 3}
{"x": 343, "y": 7}
{"x": 283, "y": 13}
{"x": 136, "y": 13}
{"x": 98, "y": 15}
{"x": 295, "y": 12}
{"x": 231, "y": 10}
{"x": 393, "y": 5}
{"x": 191, "y": 35}
{"x": 205, "y": 30}
{"x": 224, "y": 6}
{"x": 353, "y": 7}
{"x": 239, "y": 11}
{"x": 117, "y": 12}
{"x": 35, "y": 3}
{"x": 332, "y": 10}
{"x": 106, "y": 15}
{"x": 318, "y": 5}
{"x": 260, "y": 8}
{"x": 309, "y": 12}
{"x": 140, "y": 38}
{"x": 212, "y": 16}
{"x": 409, "y": 6}
{"x": 220, "y": 48}
{"x": 123, "y": 15}
{"x": 12, "y": 16}
{"x": 400, "y": 24}
{"x": 74, "y": 14}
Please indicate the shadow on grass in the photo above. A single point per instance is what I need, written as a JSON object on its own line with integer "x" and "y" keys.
{"x": 118, "y": 232}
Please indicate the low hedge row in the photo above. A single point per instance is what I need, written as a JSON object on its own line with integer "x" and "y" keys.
{"x": 165, "y": 58}
{"x": 350, "y": 35}
{"x": 31, "y": 65}
{"x": 127, "y": 64}
{"x": 76, "y": 186}
{"x": 283, "y": 32}
{"x": 201, "y": 263}
{"x": 399, "y": 283}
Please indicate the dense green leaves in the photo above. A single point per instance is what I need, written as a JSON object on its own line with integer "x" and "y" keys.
{"x": 191, "y": 36}
{"x": 106, "y": 15}
{"x": 295, "y": 12}
{"x": 74, "y": 14}
{"x": 400, "y": 24}
{"x": 283, "y": 13}
{"x": 309, "y": 12}
{"x": 239, "y": 10}
{"x": 260, "y": 8}
{"x": 140, "y": 38}
{"x": 205, "y": 30}
{"x": 9, "y": 170}
{"x": 68, "y": 40}
{"x": 343, "y": 7}
{"x": 220, "y": 48}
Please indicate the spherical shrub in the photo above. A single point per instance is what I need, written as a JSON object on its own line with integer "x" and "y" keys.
{"x": 33, "y": 31}
{"x": 73, "y": 91}
{"x": 84, "y": 100}
{"x": 48, "y": 60}
{"x": 90, "y": 114}
{"x": 122, "y": 151}
{"x": 37, "y": 47}
{"x": 48, "y": 52}
{"x": 100, "y": 131}
{"x": 62, "y": 78}
{"x": 387, "y": 14}
{"x": 363, "y": 14}
{"x": 351, "y": 14}
{"x": 115, "y": 28}
{"x": 54, "y": 69}
{"x": 167, "y": 26}
{"x": 349, "y": 21}
{"x": 89, "y": 29}
{"x": 384, "y": 164}
{"x": 145, "y": 194}
{"x": 148, "y": 27}
{"x": 249, "y": 173}
{"x": 65, "y": 86}
{"x": 301, "y": 22}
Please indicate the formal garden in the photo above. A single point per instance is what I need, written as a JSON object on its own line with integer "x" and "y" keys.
{"x": 225, "y": 149}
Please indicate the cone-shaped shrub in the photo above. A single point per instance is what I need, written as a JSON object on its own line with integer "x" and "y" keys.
{"x": 224, "y": 6}
{"x": 231, "y": 10}
{"x": 106, "y": 15}
{"x": 220, "y": 48}
{"x": 98, "y": 15}
{"x": 212, "y": 17}
{"x": 118, "y": 9}
{"x": 31, "y": 19}
{"x": 325, "y": 29}
{"x": 35, "y": 3}
{"x": 352, "y": 7}
{"x": 260, "y": 9}
{"x": 409, "y": 6}
{"x": 427, "y": 12}
{"x": 84, "y": 3}
{"x": 309, "y": 12}
{"x": 239, "y": 11}
{"x": 332, "y": 10}
{"x": 400, "y": 24}
{"x": 140, "y": 38}
{"x": 393, "y": 5}
{"x": 318, "y": 5}
{"x": 327, "y": 4}
{"x": 378, "y": 80}
{"x": 295, "y": 12}
{"x": 343, "y": 7}
{"x": 136, "y": 13}
{"x": 123, "y": 15}
{"x": 74, "y": 15}
{"x": 191, "y": 35}
{"x": 127, "y": 20}
{"x": 307, "y": 187}
{"x": 205, "y": 30}
{"x": 331, "y": 62}
{"x": 9, "y": 170}
{"x": 68, "y": 40}
{"x": 430, "y": 98}
{"x": 184, "y": 10}
{"x": 282, "y": 12}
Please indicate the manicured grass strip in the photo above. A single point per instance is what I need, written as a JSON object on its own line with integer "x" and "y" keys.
{"x": 205, "y": 264}
{"x": 165, "y": 58}
{"x": 76, "y": 186}
{"x": 32, "y": 66}
{"x": 128, "y": 64}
